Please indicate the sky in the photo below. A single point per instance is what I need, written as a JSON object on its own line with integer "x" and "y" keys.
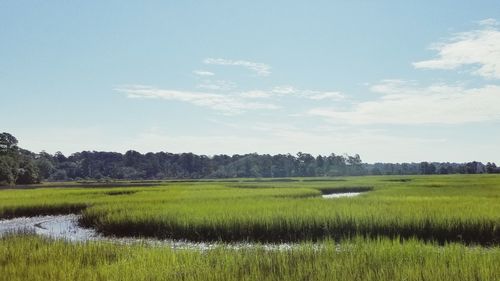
{"x": 390, "y": 80}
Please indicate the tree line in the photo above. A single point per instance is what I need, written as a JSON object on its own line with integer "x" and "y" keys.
{"x": 20, "y": 166}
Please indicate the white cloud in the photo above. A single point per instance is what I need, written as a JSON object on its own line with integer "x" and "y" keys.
{"x": 478, "y": 48}
{"x": 284, "y": 90}
{"x": 203, "y": 73}
{"x": 289, "y": 91}
{"x": 391, "y": 86}
{"x": 218, "y": 85}
{"x": 225, "y": 104}
{"x": 256, "y": 94}
{"x": 326, "y": 96}
{"x": 278, "y": 91}
{"x": 489, "y": 21}
{"x": 403, "y": 103}
{"x": 260, "y": 68}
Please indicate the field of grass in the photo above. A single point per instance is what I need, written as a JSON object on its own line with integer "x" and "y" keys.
{"x": 436, "y": 208}
{"x": 401, "y": 228}
{"x": 32, "y": 258}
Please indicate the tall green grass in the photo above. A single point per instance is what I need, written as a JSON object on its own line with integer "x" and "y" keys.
{"x": 26, "y": 258}
{"x": 434, "y": 208}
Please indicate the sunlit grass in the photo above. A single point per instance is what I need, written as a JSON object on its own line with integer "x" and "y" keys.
{"x": 33, "y": 258}
{"x": 437, "y": 208}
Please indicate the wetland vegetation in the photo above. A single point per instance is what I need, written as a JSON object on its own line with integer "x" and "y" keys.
{"x": 34, "y": 258}
{"x": 412, "y": 228}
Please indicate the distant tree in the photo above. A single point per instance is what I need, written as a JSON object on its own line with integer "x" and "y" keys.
{"x": 472, "y": 167}
{"x": 16, "y": 165}
{"x": 132, "y": 158}
{"x": 7, "y": 142}
{"x": 8, "y": 170}
{"x": 376, "y": 171}
{"x": 355, "y": 164}
{"x": 336, "y": 165}
{"x": 9, "y": 159}
{"x": 59, "y": 157}
{"x": 491, "y": 168}
{"x": 45, "y": 164}
{"x": 21, "y": 166}
{"x": 306, "y": 164}
{"x": 28, "y": 174}
{"x": 427, "y": 168}
{"x": 59, "y": 175}
{"x": 443, "y": 170}
{"x": 320, "y": 165}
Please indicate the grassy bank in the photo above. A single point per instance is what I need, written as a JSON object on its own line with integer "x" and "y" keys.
{"x": 31, "y": 258}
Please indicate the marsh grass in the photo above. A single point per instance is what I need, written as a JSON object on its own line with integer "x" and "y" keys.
{"x": 43, "y": 210}
{"x": 457, "y": 208}
{"x": 29, "y": 258}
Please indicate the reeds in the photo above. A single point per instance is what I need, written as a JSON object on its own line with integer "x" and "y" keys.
{"x": 431, "y": 208}
{"x": 29, "y": 258}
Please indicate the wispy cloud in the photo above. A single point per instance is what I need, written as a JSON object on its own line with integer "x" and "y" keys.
{"x": 407, "y": 103}
{"x": 217, "y": 85}
{"x": 480, "y": 47}
{"x": 203, "y": 73}
{"x": 488, "y": 22}
{"x": 223, "y": 103}
{"x": 256, "y": 94}
{"x": 260, "y": 68}
{"x": 289, "y": 91}
{"x": 326, "y": 96}
{"x": 284, "y": 90}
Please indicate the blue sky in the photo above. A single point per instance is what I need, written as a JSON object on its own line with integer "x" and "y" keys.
{"x": 390, "y": 80}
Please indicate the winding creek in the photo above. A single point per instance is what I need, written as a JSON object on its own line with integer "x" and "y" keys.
{"x": 66, "y": 227}
{"x": 57, "y": 227}
{"x": 340, "y": 195}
